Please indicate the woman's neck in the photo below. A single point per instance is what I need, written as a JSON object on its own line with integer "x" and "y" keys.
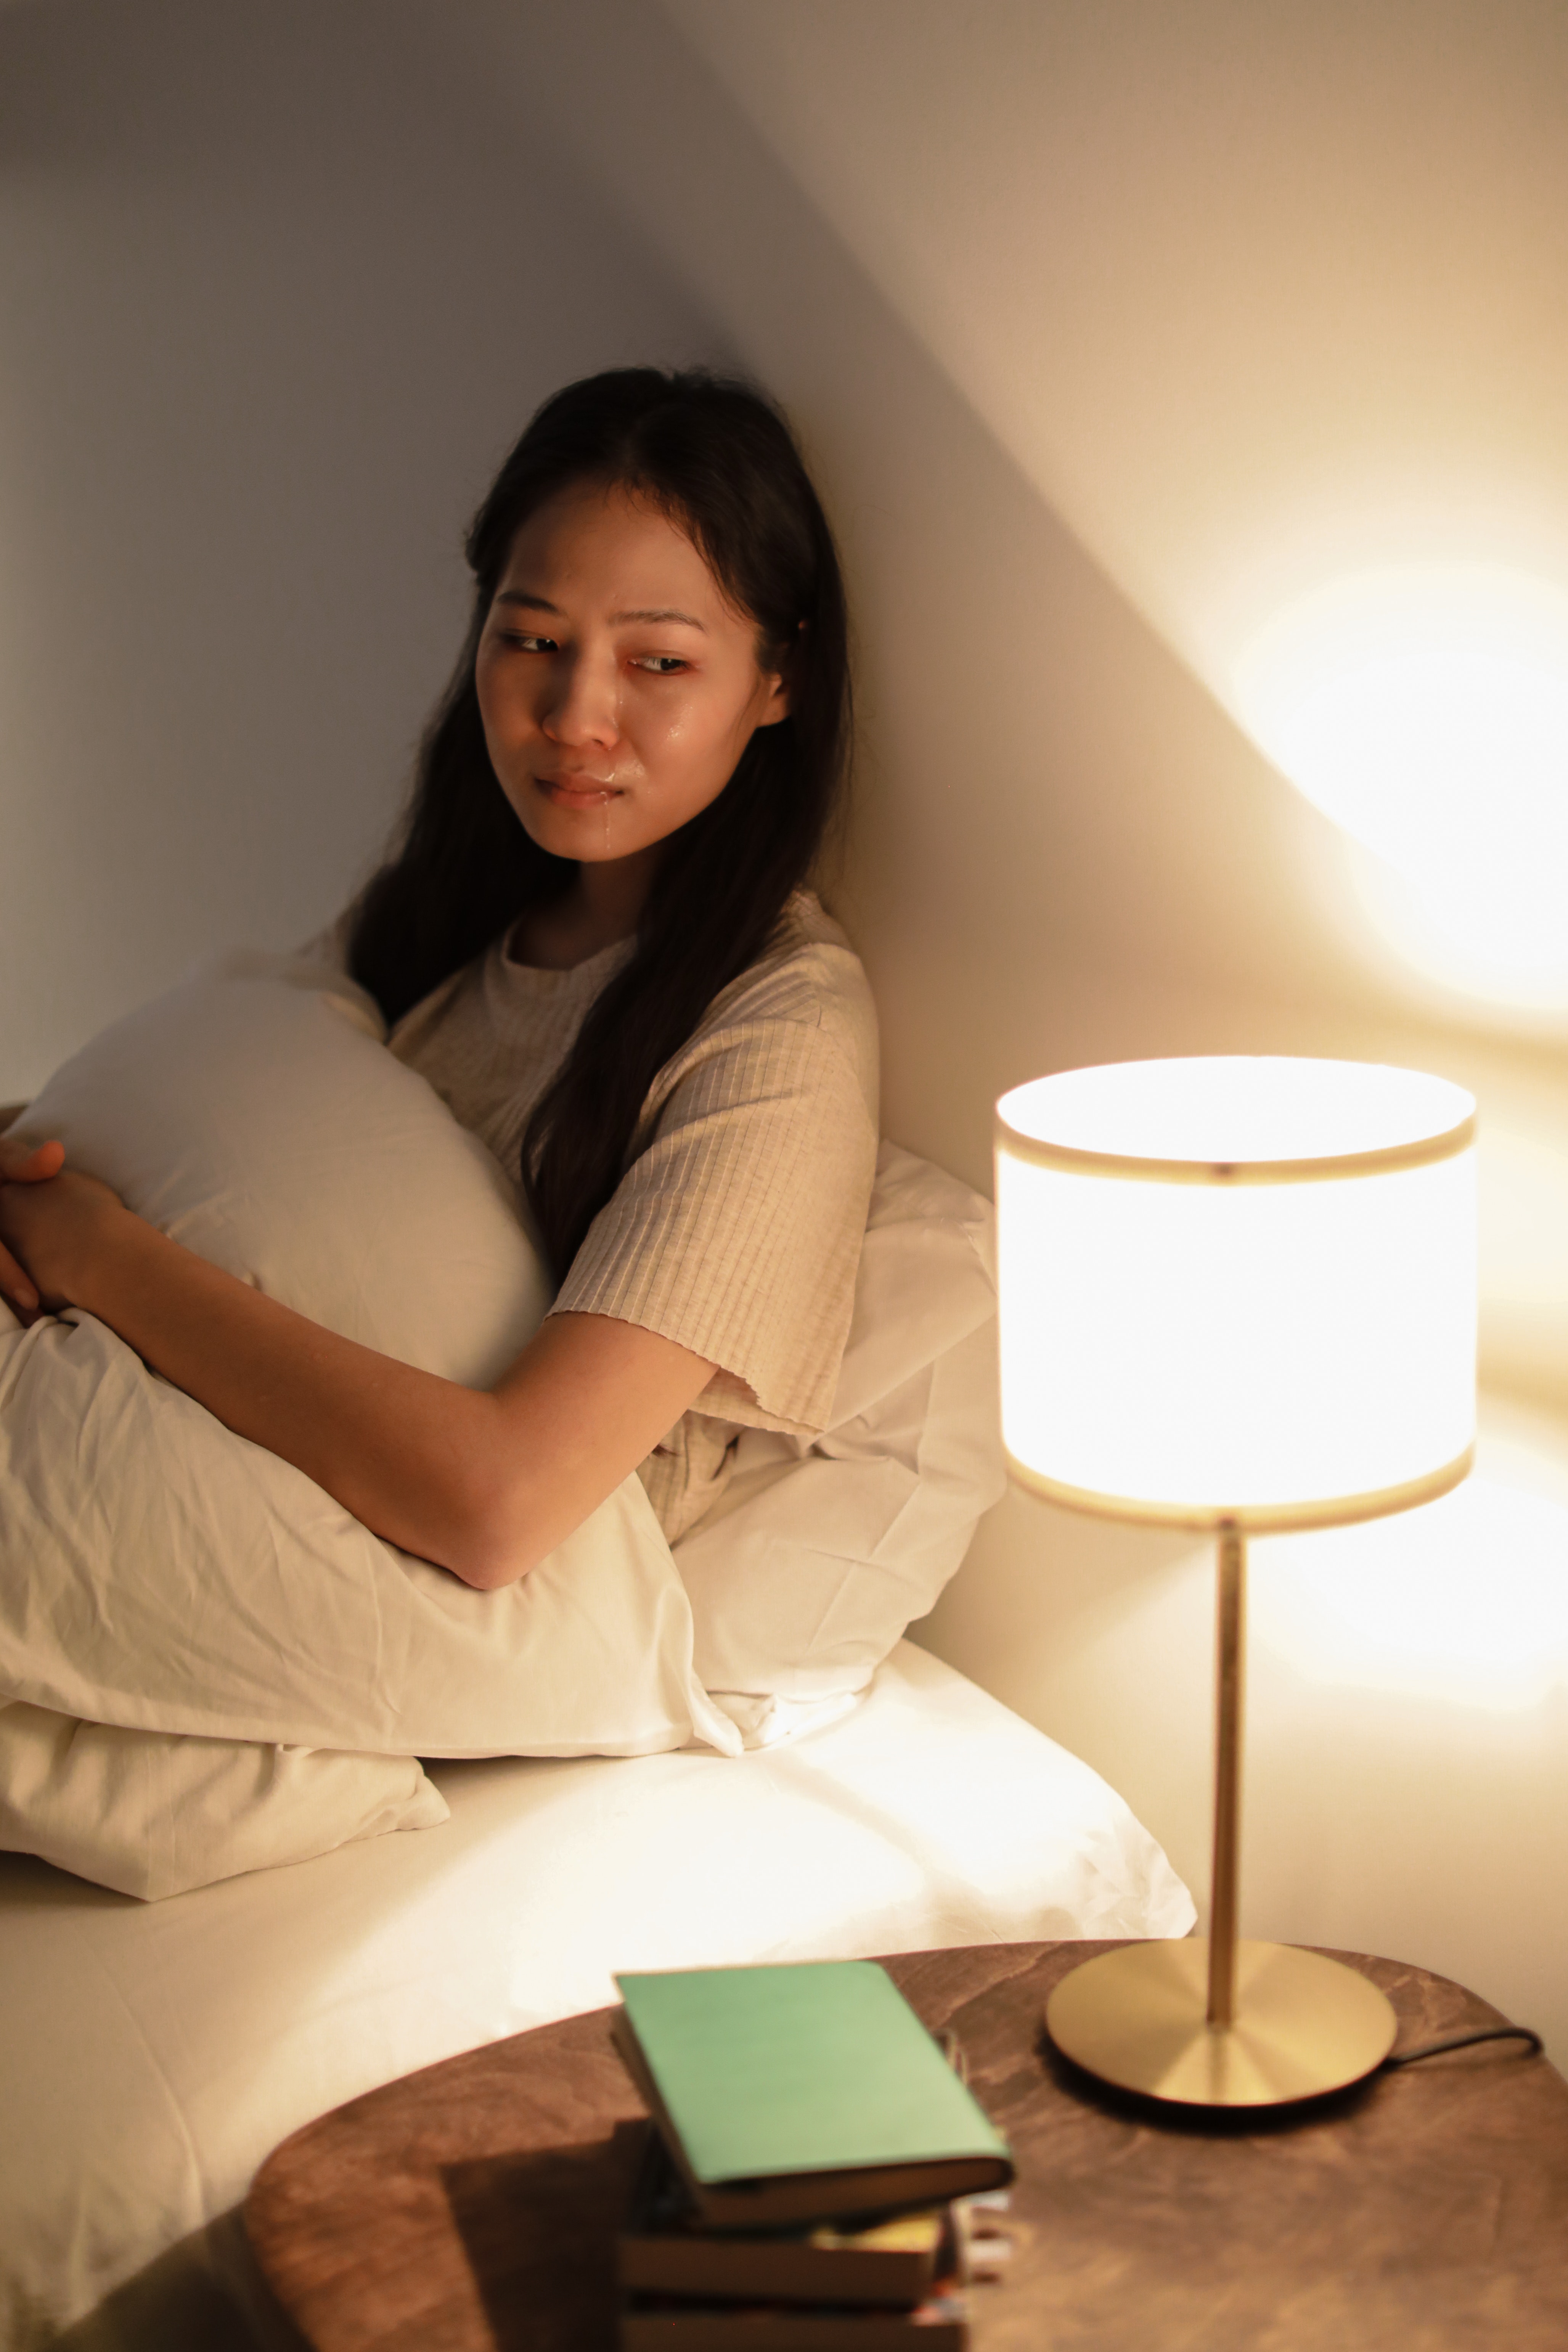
{"x": 600, "y": 907}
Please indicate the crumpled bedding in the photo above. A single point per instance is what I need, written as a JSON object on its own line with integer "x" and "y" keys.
{"x": 167, "y": 1579}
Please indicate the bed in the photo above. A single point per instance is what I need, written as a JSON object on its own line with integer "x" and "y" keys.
{"x": 152, "y": 2055}
{"x": 179, "y": 1609}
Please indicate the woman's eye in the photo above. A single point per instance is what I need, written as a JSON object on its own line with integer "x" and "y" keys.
{"x": 660, "y": 665}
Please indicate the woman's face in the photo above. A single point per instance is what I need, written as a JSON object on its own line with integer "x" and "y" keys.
{"x": 617, "y": 686}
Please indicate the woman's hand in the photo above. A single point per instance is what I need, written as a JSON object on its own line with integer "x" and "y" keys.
{"x": 54, "y": 1224}
{"x": 24, "y": 1163}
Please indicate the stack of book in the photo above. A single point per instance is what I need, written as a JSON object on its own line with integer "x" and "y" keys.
{"x": 799, "y": 2189}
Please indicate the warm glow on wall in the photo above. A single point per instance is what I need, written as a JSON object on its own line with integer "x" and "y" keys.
{"x": 1425, "y": 710}
{"x": 1464, "y": 1603}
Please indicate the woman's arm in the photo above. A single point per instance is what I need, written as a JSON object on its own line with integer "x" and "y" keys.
{"x": 482, "y": 1483}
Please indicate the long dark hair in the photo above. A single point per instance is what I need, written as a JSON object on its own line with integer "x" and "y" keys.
{"x": 716, "y": 457}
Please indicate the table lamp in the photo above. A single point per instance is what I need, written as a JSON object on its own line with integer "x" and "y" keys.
{"x": 1237, "y": 1295}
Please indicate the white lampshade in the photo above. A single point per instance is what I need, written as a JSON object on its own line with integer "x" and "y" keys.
{"x": 1237, "y": 1289}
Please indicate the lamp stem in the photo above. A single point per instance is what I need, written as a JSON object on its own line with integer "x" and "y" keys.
{"x": 1230, "y": 1630}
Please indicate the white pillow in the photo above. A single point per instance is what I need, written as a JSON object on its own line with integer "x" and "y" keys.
{"x": 165, "y": 1575}
{"x": 252, "y": 1114}
{"x": 818, "y": 1555}
{"x": 151, "y": 1814}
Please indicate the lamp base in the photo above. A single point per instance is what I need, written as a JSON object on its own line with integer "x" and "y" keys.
{"x": 1304, "y": 2025}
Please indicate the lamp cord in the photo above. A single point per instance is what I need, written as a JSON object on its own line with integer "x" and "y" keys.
{"x": 1463, "y": 2041}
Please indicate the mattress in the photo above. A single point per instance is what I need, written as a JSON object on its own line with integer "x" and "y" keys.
{"x": 150, "y": 2055}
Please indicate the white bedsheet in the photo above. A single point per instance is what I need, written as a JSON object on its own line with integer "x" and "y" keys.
{"x": 151, "y": 2056}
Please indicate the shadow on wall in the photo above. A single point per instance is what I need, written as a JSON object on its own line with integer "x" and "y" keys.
{"x": 1266, "y": 304}
{"x": 279, "y": 286}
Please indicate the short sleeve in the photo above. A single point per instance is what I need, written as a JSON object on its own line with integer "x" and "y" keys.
{"x": 736, "y": 1230}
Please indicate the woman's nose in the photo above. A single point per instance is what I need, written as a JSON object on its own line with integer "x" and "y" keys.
{"x": 581, "y": 708}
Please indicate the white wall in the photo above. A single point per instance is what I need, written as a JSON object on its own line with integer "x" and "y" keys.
{"x": 279, "y": 286}
{"x": 287, "y": 281}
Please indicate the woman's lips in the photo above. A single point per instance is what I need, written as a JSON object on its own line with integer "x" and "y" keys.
{"x": 577, "y": 791}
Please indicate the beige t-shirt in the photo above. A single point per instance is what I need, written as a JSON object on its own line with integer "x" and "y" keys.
{"x": 736, "y": 1228}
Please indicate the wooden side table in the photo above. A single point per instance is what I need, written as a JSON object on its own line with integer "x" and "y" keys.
{"x": 471, "y": 2207}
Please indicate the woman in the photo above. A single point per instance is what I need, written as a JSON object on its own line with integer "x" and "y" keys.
{"x": 594, "y": 941}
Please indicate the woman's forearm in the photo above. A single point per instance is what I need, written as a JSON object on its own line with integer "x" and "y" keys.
{"x": 484, "y": 1484}
{"x": 419, "y": 1459}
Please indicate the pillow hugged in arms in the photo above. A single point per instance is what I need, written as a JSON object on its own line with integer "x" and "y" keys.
{"x": 252, "y": 1114}
{"x": 165, "y": 1577}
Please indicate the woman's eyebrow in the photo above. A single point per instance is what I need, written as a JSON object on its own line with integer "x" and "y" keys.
{"x": 658, "y": 613}
{"x": 533, "y": 603}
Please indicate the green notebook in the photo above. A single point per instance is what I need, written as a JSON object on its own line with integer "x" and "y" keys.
{"x": 788, "y": 2093}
